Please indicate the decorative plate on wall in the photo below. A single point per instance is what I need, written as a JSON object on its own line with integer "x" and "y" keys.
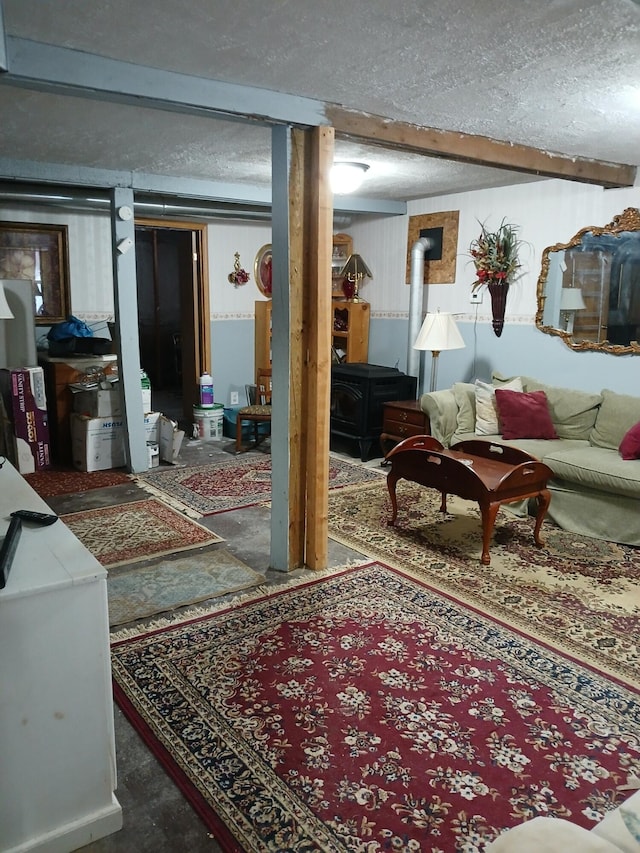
{"x": 262, "y": 270}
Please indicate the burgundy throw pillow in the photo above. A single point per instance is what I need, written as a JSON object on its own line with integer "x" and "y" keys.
{"x": 524, "y": 414}
{"x": 630, "y": 444}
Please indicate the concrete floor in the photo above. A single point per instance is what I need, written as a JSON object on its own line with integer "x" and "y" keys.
{"x": 157, "y": 818}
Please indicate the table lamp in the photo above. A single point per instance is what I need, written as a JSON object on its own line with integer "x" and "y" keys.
{"x": 571, "y": 301}
{"x": 438, "y": 332}
{"x": 353, "y": 272}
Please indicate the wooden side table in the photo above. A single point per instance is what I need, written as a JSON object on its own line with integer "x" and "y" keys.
{"x": 402, "y": 419}
{"x": 490, "y": 474}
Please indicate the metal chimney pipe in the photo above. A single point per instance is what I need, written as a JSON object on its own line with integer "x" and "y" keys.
{"x": 416, "y": 295}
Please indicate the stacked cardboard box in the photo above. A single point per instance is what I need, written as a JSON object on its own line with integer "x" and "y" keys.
{"x": 25, "y": 425}
{"x": 98, "y": 443}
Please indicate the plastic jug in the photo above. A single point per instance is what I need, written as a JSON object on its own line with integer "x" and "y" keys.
{"x": 206, "y": 391}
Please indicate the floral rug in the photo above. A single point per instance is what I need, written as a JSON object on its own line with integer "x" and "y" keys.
{"x": 239, "y": 482}
{"x": 579, "y": 594}
{"x": 50, "y": 483}
{"x": 137, "y": 592}
{"x": 136, "y": 531}
{"x": 364, "y": 711}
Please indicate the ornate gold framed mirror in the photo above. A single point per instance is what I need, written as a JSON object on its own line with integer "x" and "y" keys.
{"x": 589, "y": 288}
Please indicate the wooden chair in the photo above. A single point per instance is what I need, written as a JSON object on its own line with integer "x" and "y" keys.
{"x": 257, "y": 413}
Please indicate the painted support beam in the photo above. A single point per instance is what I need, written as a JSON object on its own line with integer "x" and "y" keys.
{"x": 3, "y": 42}
{"x": 47, "y": 67}
{"x": 283, "y": 383}
{"x": 479, "y": 150}
{"x": 301, "y": 347}
{"x": 128, "y": 344}
{"x": 60, "y": 175}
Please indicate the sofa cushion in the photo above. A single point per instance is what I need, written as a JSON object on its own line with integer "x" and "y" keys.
{"x": 524, "y": 414}
{"x": 550, "y": 835}
{"x": 617, "y": 414}
{"x": 621, "y": 826}
{"x": 465, "y": 394}
{"x": 573, "y": 412}
{"x": 596, "y": 468}
{"x": 486, "y": 412}
{"x": 538, "y": 447}
{"x": 630, "y": 444}
{"x": 441, "y": 408}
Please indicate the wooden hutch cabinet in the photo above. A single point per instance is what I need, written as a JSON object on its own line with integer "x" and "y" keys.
{"x": 263, "y": 331}
{"x": 350, "y": 334}
{"x": 349, "y": 337}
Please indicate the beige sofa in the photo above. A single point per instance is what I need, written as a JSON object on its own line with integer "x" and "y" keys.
{"x": 617, "y": 832}
{"x": 594, "y": 491}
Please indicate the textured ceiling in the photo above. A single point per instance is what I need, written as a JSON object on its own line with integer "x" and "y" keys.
{"x": 565, "y": 77}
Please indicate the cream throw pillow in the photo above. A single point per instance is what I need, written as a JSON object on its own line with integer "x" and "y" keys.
{"x": 486, "y": 411}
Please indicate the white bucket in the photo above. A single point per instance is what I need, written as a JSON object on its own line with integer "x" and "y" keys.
{"x": 209, "y": 422}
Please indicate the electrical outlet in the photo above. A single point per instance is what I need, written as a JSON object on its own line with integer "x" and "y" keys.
{"x": 234, "y": 398}
{"x": 475, "y": 297}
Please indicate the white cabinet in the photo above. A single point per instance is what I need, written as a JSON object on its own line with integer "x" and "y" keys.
{"x": 57, "y": 745}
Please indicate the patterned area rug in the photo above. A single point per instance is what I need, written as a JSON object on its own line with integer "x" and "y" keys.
{"x": 136, "y": 531}
{"x": 142, "y": 591}
{"x": 239, "y": 482}
{"x": 582, "y": 595}
{"x": 49, "y": 484}
{"x": 362, "y": 711}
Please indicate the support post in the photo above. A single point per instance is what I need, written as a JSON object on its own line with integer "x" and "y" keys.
{"x": 126, "y": 316}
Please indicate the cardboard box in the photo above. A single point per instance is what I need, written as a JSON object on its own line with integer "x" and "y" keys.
{"x": 26, "y": 424}
{"x": 98, "y": 402}
{"x": 97, "y": 444}
{"x": 153, "y": 454}
{"x": 170, "y": 440}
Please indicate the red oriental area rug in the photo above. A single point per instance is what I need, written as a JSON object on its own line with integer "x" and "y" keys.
{"x": 363, "y": 711}
{"x": 50, "y": 483}
{"x": 239, "y": 482}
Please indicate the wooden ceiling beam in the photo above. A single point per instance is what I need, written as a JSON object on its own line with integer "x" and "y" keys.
{"x": 479, "y": 150}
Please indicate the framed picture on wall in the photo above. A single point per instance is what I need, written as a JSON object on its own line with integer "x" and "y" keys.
{"x": 40, "y": 254}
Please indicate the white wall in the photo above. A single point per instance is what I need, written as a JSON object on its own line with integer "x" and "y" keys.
{"x": 547, "y": 212}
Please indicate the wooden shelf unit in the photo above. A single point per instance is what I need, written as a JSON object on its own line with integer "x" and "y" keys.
{"x": 350, "y": 334}
{"x": 263, "y": 331}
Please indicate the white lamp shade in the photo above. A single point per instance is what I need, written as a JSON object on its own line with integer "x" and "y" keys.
{"x": 439, "y": 332}
{"x": 5, "y": 312}
{"x": 571, "y": 299}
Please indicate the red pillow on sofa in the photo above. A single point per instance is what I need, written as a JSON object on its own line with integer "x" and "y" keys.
{"x": 630, "y": 444}
{"x": 524, "y": 414}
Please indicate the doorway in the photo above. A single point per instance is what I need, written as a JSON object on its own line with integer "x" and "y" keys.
{"x": 173, "y": 313}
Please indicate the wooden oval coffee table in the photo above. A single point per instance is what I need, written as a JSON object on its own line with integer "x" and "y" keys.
{"x": 491, "y": 474}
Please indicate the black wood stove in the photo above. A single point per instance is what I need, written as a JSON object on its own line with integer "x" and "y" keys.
{"x": 358, "y": 394}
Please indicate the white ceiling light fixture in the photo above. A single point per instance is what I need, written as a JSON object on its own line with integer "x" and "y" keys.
{"x": 347, "y": 177}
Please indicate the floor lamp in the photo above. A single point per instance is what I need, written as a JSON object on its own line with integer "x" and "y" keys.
{"x": 438, "y": 332}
